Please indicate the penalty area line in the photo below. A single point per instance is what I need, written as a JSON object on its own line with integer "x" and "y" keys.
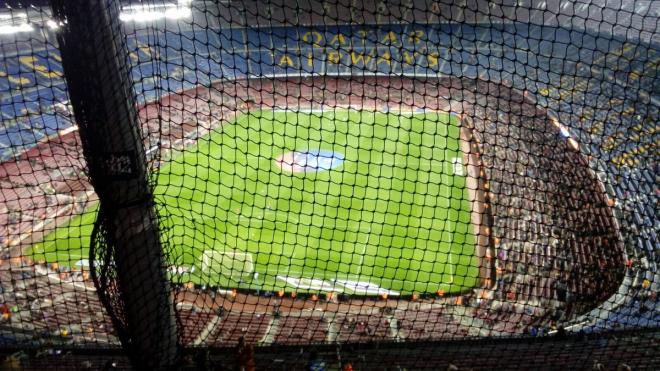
{"x": 451, "y": 260}
{"x": 364, "y": 251}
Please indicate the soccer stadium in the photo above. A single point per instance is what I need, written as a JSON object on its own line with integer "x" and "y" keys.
{"x": 329, "y": 184}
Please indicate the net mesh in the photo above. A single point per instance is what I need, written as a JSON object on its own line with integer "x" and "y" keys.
{"x": 334, "y": 172}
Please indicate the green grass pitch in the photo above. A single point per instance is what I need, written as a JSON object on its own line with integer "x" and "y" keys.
{"x": 393, "y": 217}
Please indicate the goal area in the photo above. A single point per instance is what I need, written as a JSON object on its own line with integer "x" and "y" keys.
{"x": 377, "y": 184}
{"x": 229, "y": 263}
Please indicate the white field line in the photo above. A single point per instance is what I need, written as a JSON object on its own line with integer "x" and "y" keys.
{"x": 289, "y": 217}
{"x": 451, "y": 260}
{"x": 364, "y": 251}
{"x": 451, "y": 265}
{"x": 53, "y": 254}
{"x": 433, "y": 165}
{"x": 346, "y": 228}
{"x": 281, "y": 272}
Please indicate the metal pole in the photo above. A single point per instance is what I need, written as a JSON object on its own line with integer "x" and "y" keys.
{"x": 95, "y": 60}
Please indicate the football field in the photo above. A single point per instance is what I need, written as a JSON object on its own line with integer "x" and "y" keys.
{"x": 360, "y": 202}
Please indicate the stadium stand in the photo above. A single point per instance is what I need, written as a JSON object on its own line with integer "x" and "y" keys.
{"x": 557, "y": 103}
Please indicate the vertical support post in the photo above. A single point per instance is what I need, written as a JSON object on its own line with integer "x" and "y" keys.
{"x": 95, "y": 61}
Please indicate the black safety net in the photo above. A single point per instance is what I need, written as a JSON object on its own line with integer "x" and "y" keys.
{"x": 329, "y": 184}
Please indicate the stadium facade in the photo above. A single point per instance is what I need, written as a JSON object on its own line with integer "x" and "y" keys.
{"x": 557, "y": 107}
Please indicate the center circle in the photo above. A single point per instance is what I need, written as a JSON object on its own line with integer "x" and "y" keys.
{"x": 311, "y": 160}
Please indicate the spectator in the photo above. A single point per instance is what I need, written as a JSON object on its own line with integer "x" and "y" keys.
{"x": 245, "y": 356}
{"x": 533, "y": 331}
{"x": 315, "y": 362}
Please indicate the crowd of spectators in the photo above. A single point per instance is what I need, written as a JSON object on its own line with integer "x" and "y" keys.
{"x": 554, "y": 247}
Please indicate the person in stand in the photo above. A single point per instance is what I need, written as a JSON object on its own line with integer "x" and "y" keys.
{"x": 245, "y": 356}
{"x": 315, "y": 362}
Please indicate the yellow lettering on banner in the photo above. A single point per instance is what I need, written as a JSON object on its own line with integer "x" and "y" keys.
{"x": 639, "y": 128}
{"x": 148, "y": 51}
{"x": 360, "y": 58}
{"x": 433, "y": 59}
{"x": 651, "y": 130}
{"x": 409, "y": 58}
{"x": 310, "y": 59}
{"x": 56, "y": 57}
{"x": 285, "y": 60}
{"x": 632, "y": 157}
{"x": 338, "y": 39}
{"x": 18, "y": 80}
{"x": 315, "y": 36}
{"x": 629, "y": 111}
{"x": 385, "y": 58}
{"x": 27, "y": 60}
{"x": 334, "y": 57}
{"x": 31, "y": 62}
{"x": 390, "y": 38}
{"x": 364, "y": 33}
{"x": 415, "y": 36}
{"x": 43, "y": 70}
{"x": 609, "y": 143}
{"x": 134, "y": 57}
{"x": 596, "y": 128}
